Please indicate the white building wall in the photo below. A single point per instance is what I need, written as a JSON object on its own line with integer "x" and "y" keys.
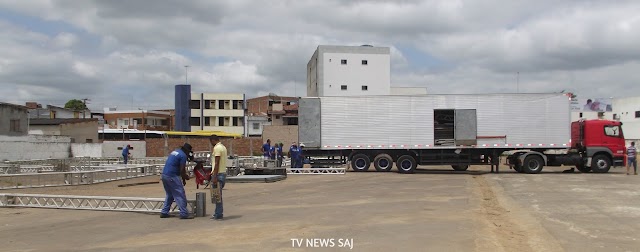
{"x": 312, "y": 76}
{"x": 626, "y": 109}
{"x": 326, "y": 74}
{"x": 86, "y": 150}
{"x": 258, "y": 121}
{"x": 408, "y": 91}
{"x": 114, "y": 148}
{"x": 375, "y": 75}
{"x": 31, "y": 147}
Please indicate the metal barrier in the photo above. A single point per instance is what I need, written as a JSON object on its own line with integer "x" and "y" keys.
{"x": 11, "y": 181}
{"x": 101, "y": 203}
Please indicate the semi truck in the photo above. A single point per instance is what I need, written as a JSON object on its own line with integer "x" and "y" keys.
{"x": 530, "y": 130}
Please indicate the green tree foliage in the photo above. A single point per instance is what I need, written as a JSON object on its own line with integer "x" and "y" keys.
{"x": 75, "y": 104}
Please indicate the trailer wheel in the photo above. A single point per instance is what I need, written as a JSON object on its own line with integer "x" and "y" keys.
{"x": 533, "y": 164}
{"x": 600, "y": 164}
{"x": 518, "y": 168}
{"x": 360, "y": 162}
{"x": 460, "y": 167}
{"x": 582, "y": 168}
{"x": 383, "y": 162}
{"x": 406, "y": 164}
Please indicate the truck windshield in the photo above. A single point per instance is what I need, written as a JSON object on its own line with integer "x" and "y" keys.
{"x": 612, "y": 131}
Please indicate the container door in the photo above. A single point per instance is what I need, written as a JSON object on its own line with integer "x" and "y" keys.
{"x": 466, "y": 127}
{"x": 309, "y": 122}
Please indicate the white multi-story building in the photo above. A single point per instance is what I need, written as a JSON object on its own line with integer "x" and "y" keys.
{"x": 217, "y": 112}
{"x": 349, "y": 71}
{"x": 627, "y": 110}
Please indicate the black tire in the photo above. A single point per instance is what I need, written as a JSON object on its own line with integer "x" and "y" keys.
{"x": 360, "y": 162}
{"x": 406, "y": 164}
{"x": 582, "y": 168}
{"x": 460, "y": 167}
{"x": 533, "y": 164}
{"x": 383, "y": 162}
{"x": 518, "y": 168}
{"x": 600, "y": 164}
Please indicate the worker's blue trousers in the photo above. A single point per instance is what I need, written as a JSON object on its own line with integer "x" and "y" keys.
{"x": 174, "y": 189}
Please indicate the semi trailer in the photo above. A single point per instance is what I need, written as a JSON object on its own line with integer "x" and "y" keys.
{"x": 531, "y": 130}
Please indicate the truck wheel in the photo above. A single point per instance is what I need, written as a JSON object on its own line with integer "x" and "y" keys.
{"x": 460, "y": 167}
{"x": 383, "y": 162}
{"x": 582, "y": 168}
{"x": 406, "y": 164}
{"x": 533, "y": 164}
{"x": 360, "y": 162}
{"x": 600, "y": 164}
{"x": 518, "y": 168}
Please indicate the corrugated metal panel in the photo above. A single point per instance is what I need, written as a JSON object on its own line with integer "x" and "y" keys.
{"x": 536, "y": 119}
{"x": 309, "y": 123}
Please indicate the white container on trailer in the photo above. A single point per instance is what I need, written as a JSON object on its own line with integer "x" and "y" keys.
{"x": 436, "y": 121}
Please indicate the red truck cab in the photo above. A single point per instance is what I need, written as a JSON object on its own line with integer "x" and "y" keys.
{"x": 599, "y": 138}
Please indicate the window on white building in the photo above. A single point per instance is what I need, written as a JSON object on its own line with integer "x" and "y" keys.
{"x": 194, "y": 104}
{"x": 194, "y": 121}
{"x": 364, "y": 62}
{"x": 343, "y": 87}
{"x": 637, "y": 114}
{"x": 207, "y": 121}
{"x": 256, "y": 126}
{"x": 365, "y": 88}
{"x": 343, "y": 62}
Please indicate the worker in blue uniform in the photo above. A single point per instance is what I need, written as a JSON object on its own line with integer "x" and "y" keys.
{"x": 300, "y": 161}
{"x": 174, "y": 178}
{"x": 279, "y": 153}
{"x": 125, "y": 153}
{"x": 266, "y": 149}
{"x": 293, "y": 154}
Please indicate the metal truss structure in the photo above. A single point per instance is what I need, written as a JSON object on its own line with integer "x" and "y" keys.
{"x": 48, "y": 179}
{"x": 101, "y": 203}
{"x": 316, "y": 170}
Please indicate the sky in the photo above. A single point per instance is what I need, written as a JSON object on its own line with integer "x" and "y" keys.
{"x": 131, "y": 54}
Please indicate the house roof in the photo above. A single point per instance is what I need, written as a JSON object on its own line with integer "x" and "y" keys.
{"x": 58, "y": 121}
{"x": 291, "y": 107}
{"x": 13, "y": 105}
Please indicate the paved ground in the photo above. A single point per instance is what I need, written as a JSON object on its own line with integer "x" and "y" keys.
{"x": 436, "y": 210}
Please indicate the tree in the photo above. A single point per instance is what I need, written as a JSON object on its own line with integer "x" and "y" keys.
{"x": 75, "y": 104}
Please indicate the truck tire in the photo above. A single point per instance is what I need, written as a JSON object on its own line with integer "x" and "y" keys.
{"x": 360, "y": 162}
{"x": 406, "y": 164}
{"x": 518, "y": 168}
{"x": 383, "y": 162}
{"x": 460, "y": 167}
{"x": 533, "y": 164}
{"x": 600, "y": 164}
{"x": 582, "y": 168}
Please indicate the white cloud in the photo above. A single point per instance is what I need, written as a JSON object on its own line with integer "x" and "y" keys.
{"x": 64, "y": 40}
{"x": 132, "y": 53}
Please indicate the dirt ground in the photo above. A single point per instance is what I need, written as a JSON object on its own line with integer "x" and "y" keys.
{"x": 432, "y": 210}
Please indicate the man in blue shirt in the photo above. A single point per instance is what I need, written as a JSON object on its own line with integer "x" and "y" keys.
{"x": 266, "y": 149}
{"x": 125, "y": 153}
{"x": 293, "y": 153}
{"x": 174, "y": 178}
{"x": 300, "y": 161}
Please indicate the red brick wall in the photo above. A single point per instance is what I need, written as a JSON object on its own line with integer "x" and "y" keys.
{"x": 241, "y": 146}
